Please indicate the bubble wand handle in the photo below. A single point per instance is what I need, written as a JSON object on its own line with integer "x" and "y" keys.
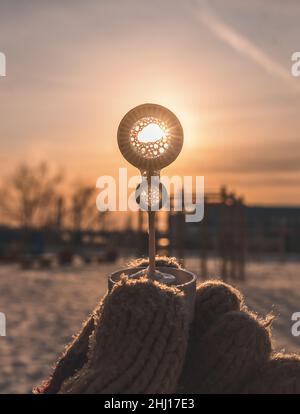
{"x": 151, "y": 223}
{"x": 151, "y": 220}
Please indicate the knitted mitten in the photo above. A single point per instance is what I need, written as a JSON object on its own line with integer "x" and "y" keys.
{"x": 136, "y": 342}
{"x": 280, "y": 375}
{"x": 227, "y": 344}
{"x": 213, "y": 300}
{"x": 164, "y": 261}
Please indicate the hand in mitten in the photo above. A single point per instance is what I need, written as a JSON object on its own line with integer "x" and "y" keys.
{"x": 230, "y": 348}
{"x": 279, "y": 375}
{"x": 227, "y": 343}
{"x": 134, "y": 342}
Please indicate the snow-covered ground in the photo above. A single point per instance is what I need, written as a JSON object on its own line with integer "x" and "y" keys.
{"x": 44, "y": 308}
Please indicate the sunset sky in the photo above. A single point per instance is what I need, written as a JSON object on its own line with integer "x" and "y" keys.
{"x": 223, "y": 67}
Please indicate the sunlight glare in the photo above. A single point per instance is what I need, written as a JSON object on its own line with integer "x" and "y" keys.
{"x": 151, "y": 133}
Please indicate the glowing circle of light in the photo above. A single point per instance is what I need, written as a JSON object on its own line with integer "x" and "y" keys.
{"x": 150, "y": 137}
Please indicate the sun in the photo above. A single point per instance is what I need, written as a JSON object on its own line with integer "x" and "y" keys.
{"x": 151, "y": 133}
{"x": 149, "y": 137}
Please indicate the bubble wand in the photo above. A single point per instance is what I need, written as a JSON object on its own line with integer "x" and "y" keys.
{"x": 150, "y": 137}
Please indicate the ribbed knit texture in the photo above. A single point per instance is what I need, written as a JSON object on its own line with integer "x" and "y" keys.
{"x": 213, "y": 300}
{"x": 227, "y": 344}
{"x": 138, "y": 344}
{"x": 280, "y": 375}
{"x": 159, "y": 261}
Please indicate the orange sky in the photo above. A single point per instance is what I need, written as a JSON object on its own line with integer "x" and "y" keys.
{"x": 223, "y": 67}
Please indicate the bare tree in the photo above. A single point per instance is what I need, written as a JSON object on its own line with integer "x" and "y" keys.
{"x": 84, "y": 213}
{"x": 28, "y": 198}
